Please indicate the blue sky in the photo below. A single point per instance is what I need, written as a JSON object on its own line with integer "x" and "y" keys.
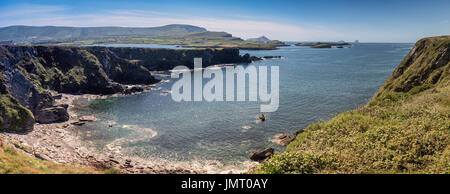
{"x": 319, "y": 20}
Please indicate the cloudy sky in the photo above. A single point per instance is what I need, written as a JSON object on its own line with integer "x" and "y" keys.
{"x": 319, "y": 20}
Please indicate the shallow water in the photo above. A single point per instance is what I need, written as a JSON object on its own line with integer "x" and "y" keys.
{"x": 315, "y": 84}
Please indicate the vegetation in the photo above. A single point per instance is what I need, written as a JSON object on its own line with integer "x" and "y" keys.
{"x": 198, "y": 42}
{"x": 48, "y": 34}
{"x": 324, "y": 44}
{"x": 405, "y": 128}
{"x": 186, "y": 35}
{"x": 14, "y": 161}
{"x": 13, "y": 116}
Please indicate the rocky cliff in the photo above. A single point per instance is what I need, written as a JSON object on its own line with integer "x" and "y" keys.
{"x": 426, "y": 65}
{"x": 405, "y": 128}
{"x": 27, "y": 73}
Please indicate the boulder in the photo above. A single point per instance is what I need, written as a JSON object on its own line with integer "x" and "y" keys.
{"x": 283, "y": 139}
{"x": 53, "y": 114}
{"x": 134, "y": 89}
{"x": 87, "y": 118}
{"x": 261, "y": 155}
{"x": 262, "y": 117}
{"x": 253, "y": 58}
{"x": 78, "y": 123}
{"x": 272, "y": 57}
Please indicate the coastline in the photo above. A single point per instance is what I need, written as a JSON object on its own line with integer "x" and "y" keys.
{"x": 60, "y": 143}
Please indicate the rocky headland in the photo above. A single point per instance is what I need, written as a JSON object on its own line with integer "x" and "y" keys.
{"x": 405, "y": 127}
{"x": 39, "y": 83}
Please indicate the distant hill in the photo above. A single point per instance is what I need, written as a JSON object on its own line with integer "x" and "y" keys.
{"x": 59, "y": 33}
{"x": 259, "y": 39}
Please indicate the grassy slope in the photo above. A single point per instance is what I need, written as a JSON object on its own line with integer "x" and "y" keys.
{"x": 404, "y": 129}
{"x": 190, "y": 41}
{"x": 14, "y": 161}
{"x": 13, "y": 115}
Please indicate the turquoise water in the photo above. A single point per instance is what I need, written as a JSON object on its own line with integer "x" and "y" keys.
{"x": 315, "y": 84}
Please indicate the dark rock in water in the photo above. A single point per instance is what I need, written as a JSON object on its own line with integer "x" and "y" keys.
{"x": 53, "y": 114}
{"x": 298, "y": 132}
{"x": 253, "y": 58}
{"x": 322, "y": 46}
{"x": 132, "y": 90}
{"x": 283, "y": 139}
{"x": 262, "y": 117}
{"x": 79, "y": 123}
{"x": 261, "y": 155}
{"x": 272, "y": 57}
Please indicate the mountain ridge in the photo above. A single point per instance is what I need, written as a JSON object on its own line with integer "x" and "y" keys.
{"x": 22, "y": 33}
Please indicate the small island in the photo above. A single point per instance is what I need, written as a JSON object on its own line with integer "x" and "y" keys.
{"x": 325, "y": 44}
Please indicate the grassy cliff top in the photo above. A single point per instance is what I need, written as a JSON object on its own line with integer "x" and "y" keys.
{"x": 15, "y": 161}
{"x": 426, "y": 64}
{"x": 404, "y": 129}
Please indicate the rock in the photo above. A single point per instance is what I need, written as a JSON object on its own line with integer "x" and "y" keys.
{"x": 24, "y": 121}
{"x": 87, "y": 118}
{"x": 253, "y": 58}
{"x": 281, "y": 136}
{"x": 283, "y": 139}
{"x": 53, "y": 114}
{"x": 58, "y": 96}
{"x": 262, "y": 117}
{"x": 272, "y": 57}
{"x": 65, "y": 125}
{"x": 261, "y": 155}
{"x": 79, "y": 123}
{"x": 132, "y": 90}
{"x": 298, "y": 132}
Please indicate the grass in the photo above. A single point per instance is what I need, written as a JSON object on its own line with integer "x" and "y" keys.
{"x": 201, "y": 42}
{"x": 405, "y": 128}
{"x": 14, "y": 161}
{"x": 407, "y": 134}
{"x": 13, "y": 116}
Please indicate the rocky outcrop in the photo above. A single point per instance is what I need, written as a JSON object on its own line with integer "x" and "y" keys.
{"x": 13, "y": 116}
{"x": 27, "y": 73}
{"x": 261, "y": 155}
{"x": 167, "y": 59}
{"x": 53, "y": 114}
{"x": 283, "y": 139}
{"x": 427, "y": 64}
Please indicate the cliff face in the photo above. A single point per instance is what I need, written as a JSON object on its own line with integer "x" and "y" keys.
{"x": 427, "y": 64}
{"x": 167, "y": 59}
{"x": 28, "y": 72}
{"x": 405, "y": 128}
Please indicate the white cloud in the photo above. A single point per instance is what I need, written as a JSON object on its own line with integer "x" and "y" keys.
{"x": 39, "y": 15}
